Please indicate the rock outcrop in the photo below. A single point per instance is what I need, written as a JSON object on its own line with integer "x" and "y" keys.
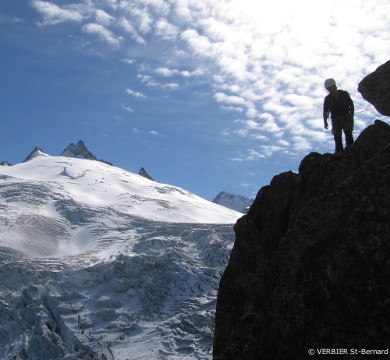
{"x": 80, "y": 151}
{"x": 311, "y": 263}
{"x": 144, "y": 173}
{"x": 375, "y": 88}
{"x": 5, "y": 163}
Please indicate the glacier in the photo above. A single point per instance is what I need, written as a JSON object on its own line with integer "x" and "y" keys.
{"x": 100, "y": 263}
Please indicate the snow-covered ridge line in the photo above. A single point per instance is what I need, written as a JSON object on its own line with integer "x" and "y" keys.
{"x": 236, "y": 202}
{"x": 97, "y": 184}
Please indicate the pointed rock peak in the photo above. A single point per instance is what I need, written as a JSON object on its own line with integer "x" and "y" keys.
{"x": 79, "y": 151}
{"x": 36, "y": 152}
{"x": 5, "y": 163}
{"x": 143, "y": 173}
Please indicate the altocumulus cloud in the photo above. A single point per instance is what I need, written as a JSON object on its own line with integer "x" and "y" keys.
{"x": 53, "y": 14}
{"x": 103, "y": 33}
{"x": 264, "y": 61}
{"x": 135, "y": 93}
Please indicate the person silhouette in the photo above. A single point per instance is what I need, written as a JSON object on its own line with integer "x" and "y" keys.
{"x": 339, "y": 104}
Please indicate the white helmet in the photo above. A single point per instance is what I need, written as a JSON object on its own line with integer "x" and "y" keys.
{"x": 329, "y": 82}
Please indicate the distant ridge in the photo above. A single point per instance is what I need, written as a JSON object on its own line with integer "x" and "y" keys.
{"x": 80, "y": 151}
{"x": 5, "y": 163}
{"x": 235, "y": 202}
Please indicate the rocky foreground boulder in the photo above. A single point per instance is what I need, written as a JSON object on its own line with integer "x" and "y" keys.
{"x": 375, "y": 88}
{"x": 310, "y": 267}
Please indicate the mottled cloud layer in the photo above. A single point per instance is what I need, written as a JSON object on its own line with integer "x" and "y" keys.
{"x": 264, "y": 61}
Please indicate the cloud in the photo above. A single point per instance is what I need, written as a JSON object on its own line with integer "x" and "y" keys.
{"x": 128, "y": 109}
{"x": 199, "y": 44}
{"x": 151, "y": 132}
{"x": 139, "y": 15}
{"x": 232, "y": 108}
{"x": 166, "y": 30}
{"x": 53, "y": 14}
{"x": 254, "y": 155}
{"x": 265, "y": 61}
{"x": 230, "y": 99}
{"x": 128, "y": 28}
{"x": 184, "y": 73}
{"x": 102, "y": 32}
{"x": 4, "y": 18}
{"x": 149, "y": 81}
{"x": 135, "y": 94}
{"x": 301, "y": 143}
{"x": 128, "y": 61}
{"x": 103, "y": 18}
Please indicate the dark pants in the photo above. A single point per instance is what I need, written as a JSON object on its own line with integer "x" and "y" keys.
{"x": 340, "y": 124}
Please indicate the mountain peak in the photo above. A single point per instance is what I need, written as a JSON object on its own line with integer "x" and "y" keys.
{"x": 36, "y": 152}
{"x": 235, "y": 202}
{"x": 78, "y": 151}
{"x": 5, "y": 163}
{"x": 143, "y": 173}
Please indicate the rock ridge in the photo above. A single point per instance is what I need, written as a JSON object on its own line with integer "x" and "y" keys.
{"x": 375, "y": 88}
{"x": 311, "y": 261}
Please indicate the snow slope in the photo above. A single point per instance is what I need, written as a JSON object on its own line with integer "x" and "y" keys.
{"x": 93, "y": 183}
{"x": 100, "y": 263}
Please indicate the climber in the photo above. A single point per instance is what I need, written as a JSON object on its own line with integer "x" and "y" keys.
{"x": 340, "y": 105}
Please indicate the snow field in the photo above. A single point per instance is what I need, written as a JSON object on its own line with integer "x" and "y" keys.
{"x": 98, "y": 263}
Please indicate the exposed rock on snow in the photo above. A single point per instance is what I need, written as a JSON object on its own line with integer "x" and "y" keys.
{"x": 310, "y": 264}
{"x": 5, "y": 163}
{"x": 143, "y": 173}
{"x": 80, "y": 151}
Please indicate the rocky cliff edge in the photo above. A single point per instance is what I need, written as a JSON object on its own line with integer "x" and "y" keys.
{"x": 310, "y": 267}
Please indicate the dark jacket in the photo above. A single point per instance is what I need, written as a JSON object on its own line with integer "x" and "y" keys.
{"x": 340, "y": 106}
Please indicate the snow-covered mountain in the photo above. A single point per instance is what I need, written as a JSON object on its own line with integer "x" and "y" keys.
{"x": 36, "y": 152}
{"x": 100, "y": 263}
{"x": 236, "y": 202}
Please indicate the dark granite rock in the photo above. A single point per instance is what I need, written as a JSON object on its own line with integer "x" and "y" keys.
{"x": 375, "y": 88}
{"x": 311, "y": 263}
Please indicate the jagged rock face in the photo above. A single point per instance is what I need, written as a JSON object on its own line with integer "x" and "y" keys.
{"x": 143, "y": 173}
{"x": 78, "y": 151}
{"x": 375, "y": 88}
{"x": 5, "y": 163}
{"x": 311, "y": 262}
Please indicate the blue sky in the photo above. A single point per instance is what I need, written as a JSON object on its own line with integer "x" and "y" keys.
{"x": 207, "y": 95}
